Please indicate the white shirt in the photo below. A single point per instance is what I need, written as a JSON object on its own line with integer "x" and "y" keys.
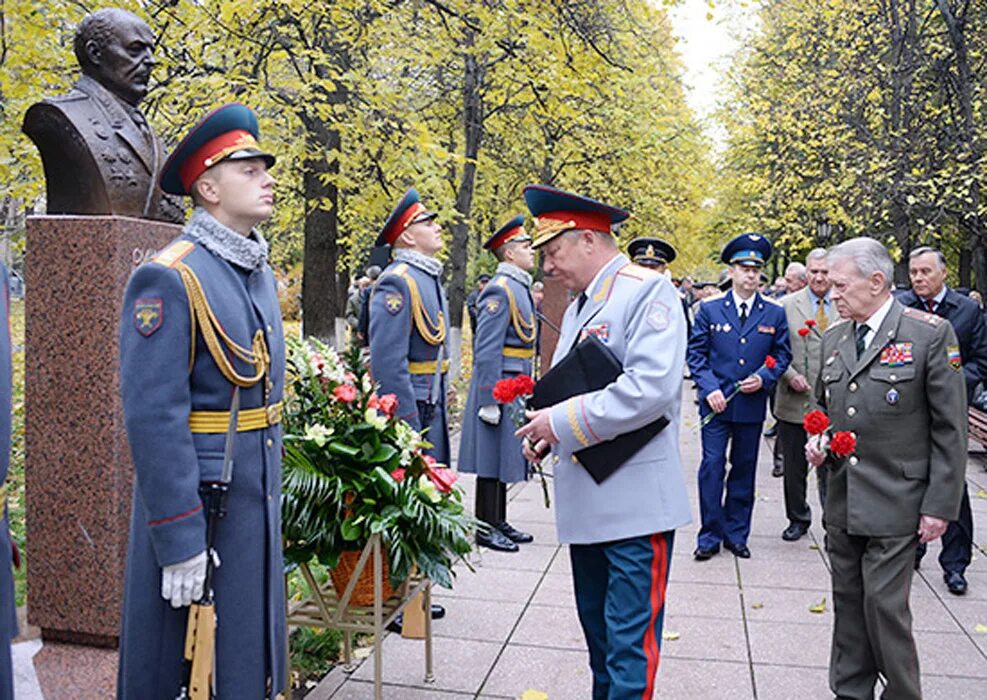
{"x": 875, "y": 321}
{"x": 738, "y": 301}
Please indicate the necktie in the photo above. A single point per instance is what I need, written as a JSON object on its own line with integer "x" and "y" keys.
{"x": 580, "y": 302}
{"x": 141, "y": 122}
{"x": 822, "y": 320}
{"x": 931, "y": 305}
{"x": 743, "y": 313}
{"x": 861, "y": 334}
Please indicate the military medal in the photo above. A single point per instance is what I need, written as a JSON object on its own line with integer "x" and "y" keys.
{"x": 892, "y": 396}
{"x": 726, "y": 327}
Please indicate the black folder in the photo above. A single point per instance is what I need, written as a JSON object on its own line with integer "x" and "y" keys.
{"x": 590, "y": 366}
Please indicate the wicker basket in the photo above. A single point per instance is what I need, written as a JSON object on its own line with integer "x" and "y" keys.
{"x": 363, "y": 592}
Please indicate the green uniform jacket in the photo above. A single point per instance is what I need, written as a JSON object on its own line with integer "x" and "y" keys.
{"x": 905, "y": 400}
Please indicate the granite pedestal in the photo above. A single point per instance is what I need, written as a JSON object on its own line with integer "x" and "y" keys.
{"x": 78, "y": 471}
{"x": 553, "y": 307}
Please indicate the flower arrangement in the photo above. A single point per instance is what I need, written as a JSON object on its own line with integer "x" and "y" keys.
{"x": 842, "y": 443}
{"x": 514, "y": 393}
{"x": 769, "y": 363}
{"x": 351, "y": 469}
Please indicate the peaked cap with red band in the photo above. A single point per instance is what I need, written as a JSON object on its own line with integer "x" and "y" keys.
{"x": 513, "y": 230}
{"x": 409, "y": 211}
{"x": 228, "y": 132}
{"x": 557, "y": 211}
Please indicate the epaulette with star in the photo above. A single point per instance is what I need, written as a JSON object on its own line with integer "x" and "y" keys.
{"x": 930, "y": 318}
{"x": 174, "y": 253}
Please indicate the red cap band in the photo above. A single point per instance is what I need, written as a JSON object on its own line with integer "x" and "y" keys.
{"x": 212, "y": 152}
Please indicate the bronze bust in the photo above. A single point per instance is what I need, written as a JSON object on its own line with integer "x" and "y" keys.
{"x": 98, "y": 151}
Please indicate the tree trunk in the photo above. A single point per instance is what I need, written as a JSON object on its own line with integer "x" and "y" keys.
{"x": 473, "y": 136}
{"x": 323, "y": 284}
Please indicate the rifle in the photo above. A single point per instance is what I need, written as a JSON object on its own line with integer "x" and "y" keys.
{"x": 198, "y": 675}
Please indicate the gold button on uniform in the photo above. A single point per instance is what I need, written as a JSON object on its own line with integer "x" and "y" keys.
{"x": 741, "y": 361}
{"x": 852, "y": 387}
{"x": 270, "y": 328}
{"x": 572, "y": 458}
{"x": 893, "y": 377}
{"x": 270, "y": 442}
{"x": 743, "y": 341}
{"x": 851, "y": 411}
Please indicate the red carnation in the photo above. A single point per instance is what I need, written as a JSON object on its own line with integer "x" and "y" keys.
{"x": 398, "y": 474}
{"x": 811, "y": 323}
{"x": 815, "y": 422}
{"x": 523, "y": 385}
{"x": 843, "y": 443}
{"x": 345, "y": 393}
{"x": 770, "y": 362}
{"x": 505, "y": 391}
{"x": 388, "y": 403}
{"x": 803, "y": 332}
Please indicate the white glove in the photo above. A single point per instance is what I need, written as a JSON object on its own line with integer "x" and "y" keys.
{"x": 489, "y": 414}
{"x": 182, "y": 583}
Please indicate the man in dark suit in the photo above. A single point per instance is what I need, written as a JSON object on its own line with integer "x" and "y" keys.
{"x": 99, "y": 154}
{"x": 927, "y": 270}
{"x": 891, "y": 376}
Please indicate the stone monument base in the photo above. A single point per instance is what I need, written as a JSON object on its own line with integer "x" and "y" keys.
{"x": 79, "y": 476}
{"x": 72, "y": 672}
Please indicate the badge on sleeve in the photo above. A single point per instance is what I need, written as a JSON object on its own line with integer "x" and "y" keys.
{"x": 658, "y": 313}
{"x": 148, "y": 315}
{"x": 953, "y": 357}
{"x": 394, "y": 301}
{"x": 492, "y": 306}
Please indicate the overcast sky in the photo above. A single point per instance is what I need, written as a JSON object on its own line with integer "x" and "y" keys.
{"x": 706, "y": 46}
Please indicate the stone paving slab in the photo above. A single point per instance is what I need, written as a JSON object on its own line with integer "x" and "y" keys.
{"x": 743, "y": 627}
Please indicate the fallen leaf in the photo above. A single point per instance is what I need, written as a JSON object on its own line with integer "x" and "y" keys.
{"x": 757, "y": 606}
{"x": 670, "y": 636}
{"x": 813, "y": 546}
{"x": 982, "y": 629}
{"x": 981, "y": 494}
{"x": 530, "y": 694}
{"x": 820, "y": 607}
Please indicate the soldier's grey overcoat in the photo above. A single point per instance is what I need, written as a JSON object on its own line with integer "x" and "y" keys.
{"x": 636, "y": 312}
{"x": 168, "y": 524}
{"x": 505, "y": 312}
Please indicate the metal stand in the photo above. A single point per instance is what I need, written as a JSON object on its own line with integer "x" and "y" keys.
{"x": 326, "y": 609}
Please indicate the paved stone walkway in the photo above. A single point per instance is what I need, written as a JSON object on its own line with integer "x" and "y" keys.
{"x": 741, "y": 628}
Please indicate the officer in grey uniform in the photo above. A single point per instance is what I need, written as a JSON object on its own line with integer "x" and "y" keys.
{"x": 892, "y": 375}
{"x": 620, "y": 532}
{"x": 503, "y": 347}
{"x": 408, "y": 312}
{"x": 199, "y": 320}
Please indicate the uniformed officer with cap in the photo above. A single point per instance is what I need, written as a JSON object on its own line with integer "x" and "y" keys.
{"x": 408, "y": 312}
{"x": 504, "y": 347}
{"x": 620, "y": 531}
{"x": 656, "y": 254}
{"x": 8, "y": 606}
{"x": 199, "y": 320}
{"x": 731, "y": 337}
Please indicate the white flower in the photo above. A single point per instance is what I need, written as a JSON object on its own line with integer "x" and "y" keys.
{"x": 367, "y": 384}
{"x": 375, "y": 419}
{"x": 426, "y": 486}
{"x": 318, "y": 433}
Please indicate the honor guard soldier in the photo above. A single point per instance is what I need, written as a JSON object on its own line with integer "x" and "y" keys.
{"x": 504, "y": 347}
{"x": 732, "y": 336}
{"x": 8, "y": 607}
{"x": 199, "y": 321}
{"x": 619, "y": 531}
{"x": 408, "y": 312}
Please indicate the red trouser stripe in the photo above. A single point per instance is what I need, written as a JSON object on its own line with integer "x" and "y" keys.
{"x": 659, "y": 575}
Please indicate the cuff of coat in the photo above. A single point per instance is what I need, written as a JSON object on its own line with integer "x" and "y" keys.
{"x": 178, "y": 537}
{"x": 569, "y": 426}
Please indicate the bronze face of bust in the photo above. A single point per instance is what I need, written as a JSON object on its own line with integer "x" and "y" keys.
{"x": 99, "y": 153}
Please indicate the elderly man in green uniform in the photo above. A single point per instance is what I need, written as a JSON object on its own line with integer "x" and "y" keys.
{"x": 892, "y": 375}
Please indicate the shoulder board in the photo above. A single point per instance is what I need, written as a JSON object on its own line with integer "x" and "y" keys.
{"x": 931, "y": 319}
{"x": 638, "y": 272}
{"x": 71, "y": 96}
{"x": 173, "y": 253}
{"x": 771, "y": 300}
{"x": 719, "y": 295}
{"x": 399, "y": 269}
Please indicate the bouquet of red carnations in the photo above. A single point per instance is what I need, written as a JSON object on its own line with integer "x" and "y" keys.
{"x": 842, "y": 443}
{"x": 513, "y": 393}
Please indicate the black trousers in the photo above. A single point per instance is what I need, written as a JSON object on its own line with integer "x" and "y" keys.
{"x": 957, "y": 541}
{"x": 491, "y": 500}
{"x": 792, "y": 437}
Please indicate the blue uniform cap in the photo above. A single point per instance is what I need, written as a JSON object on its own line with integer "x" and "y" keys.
{"x": 409, "y": 211}
{"x": 650, "y": 251}
{"x": 557, "y": 211}
{"x": 513, "y": 230}
{"x": 229, "y": 132}
{"x": 747, "y": 249}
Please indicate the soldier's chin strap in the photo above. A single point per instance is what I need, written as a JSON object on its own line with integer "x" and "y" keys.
{"x": 202, "y": 316}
